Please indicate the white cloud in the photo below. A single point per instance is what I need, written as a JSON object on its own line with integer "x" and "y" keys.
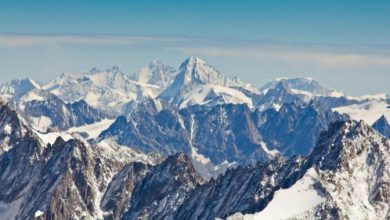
{"x": 23, "y": 40}
{"x": 293, "y": 54}
{"x": 297, "y": 56}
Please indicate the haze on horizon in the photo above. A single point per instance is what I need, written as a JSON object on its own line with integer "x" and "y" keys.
{"x": 344, "y": 45}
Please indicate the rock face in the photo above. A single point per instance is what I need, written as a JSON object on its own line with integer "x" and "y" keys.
{"x": 11, "y": 128}
{"x": 382, "y": 126}
{"x": 160, "y": 193}
{"x": 220, "y": 133}
{"x": 65, "y": 180}
{"x": 294, "y": 129}
{"x": 224, "y": 132}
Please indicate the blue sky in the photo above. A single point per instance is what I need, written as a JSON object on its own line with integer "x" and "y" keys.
{"x": 343, "y": 44}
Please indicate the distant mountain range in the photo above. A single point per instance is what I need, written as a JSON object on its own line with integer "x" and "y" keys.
{"x": 190, "y": 143}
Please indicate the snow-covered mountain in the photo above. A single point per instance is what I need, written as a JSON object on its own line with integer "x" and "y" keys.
{"x": 303, "y": 86}
{"x": 345, "y": 177}
{"x": 17, "y": 88}
{"x": 224, "y": 133}
{"x": 156, "y": 73}
{"x": 63, "y": 180}
{"x": 200, "y": 83}
{"x": 43, "y": 110}
{"x": 106, "y": 90}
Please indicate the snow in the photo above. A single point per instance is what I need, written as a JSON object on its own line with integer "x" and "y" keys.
{"x": 41, "y": 123}
{"x": 302, "y": 92}
{"x": 380, "y": 96}
{"x": 38, "y": 213}
{"x": 369, "y": 111}
{"x": 7, "y": 129}
{"x": 92, "y": 99}
{"x": 204, "y": 94}
{"x": 50, "y": 138}
{"x": 276, "y": 106}
{"x": 32, "y": 95}
{"x": 271, "y": 153}
{"x": 283, "y": 206}
{"x": 336, "y": 94}
{"x": 93, "y": 130}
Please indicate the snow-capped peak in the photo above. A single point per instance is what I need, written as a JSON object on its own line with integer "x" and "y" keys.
{"x": 18, "y": 87}
{"x": 194, "y": 72}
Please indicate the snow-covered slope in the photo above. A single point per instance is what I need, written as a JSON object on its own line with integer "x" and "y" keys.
{"x": 369, "y": 111}
{"x": 282, "y": 207}
{"x": 199, "y": 83}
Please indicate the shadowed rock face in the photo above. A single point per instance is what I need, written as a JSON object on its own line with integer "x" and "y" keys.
{"x": 225, "y": 132}
{"x": 164, "y": 189}
{"x": 295, "y": 129}
{"x": 11, "y": 128}
{"x": 63, "y": 180}
{"x": 382, "y": 126}
{"x": 119, "y": 192}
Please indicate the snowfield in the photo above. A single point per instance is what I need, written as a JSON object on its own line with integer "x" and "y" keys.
{"x": 285, "y": 206}
{"x": 368, "y": 111}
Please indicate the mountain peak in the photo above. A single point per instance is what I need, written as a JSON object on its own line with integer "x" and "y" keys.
{"x": 193, "y": 60}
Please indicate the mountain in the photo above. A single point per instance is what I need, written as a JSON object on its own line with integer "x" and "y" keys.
{"x": 217, "y": 134}
{"x": 294, "y": 128}
{"x": 303, "y": 86}
{"x": 161, "y": 192}
{"x": 43, "y": 110}
{"x": 199, "y": 83}
{"x": 231, "y": 133}
{"x": 345, "y": 177}
{"x": 277, "y": 96}
{"x": 64, "y": 180}
{"x": 11, "y": 128}
{"x": 156, "y": 73}
{"x": 382, "y": 126}
{"x": 106, "y": 90}
{"x": 17, "y": 88}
